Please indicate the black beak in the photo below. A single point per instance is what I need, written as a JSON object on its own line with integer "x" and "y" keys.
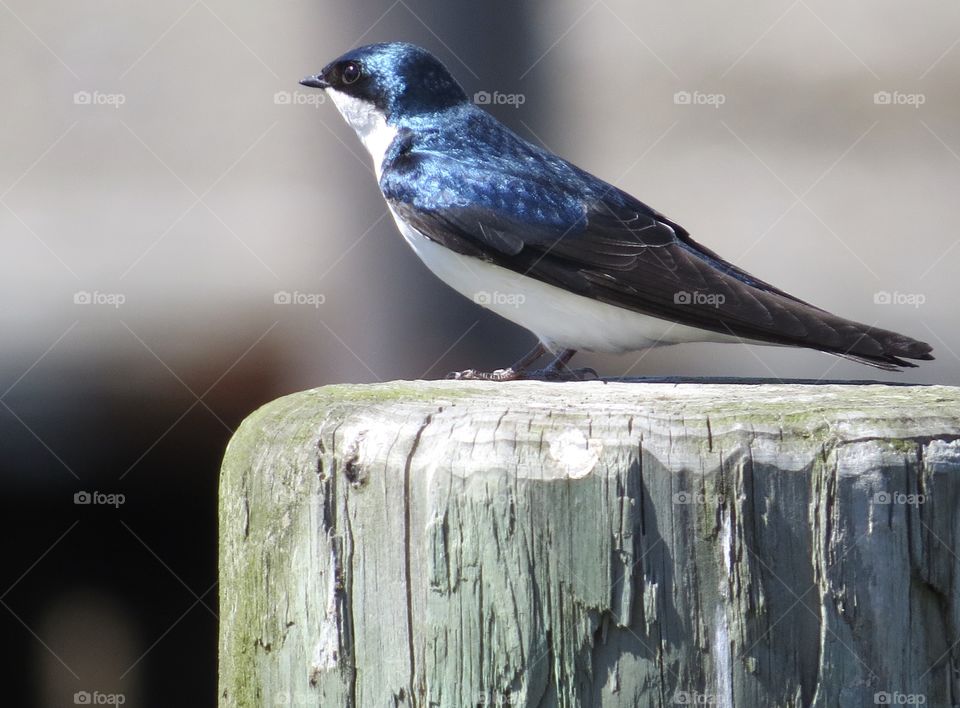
{"x": 315, "y": 82}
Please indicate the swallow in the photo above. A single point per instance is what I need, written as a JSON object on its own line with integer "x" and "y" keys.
{"x": 580, "y": 263}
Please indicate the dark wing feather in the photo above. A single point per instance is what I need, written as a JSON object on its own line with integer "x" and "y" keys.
{"x": 542, "y": 217}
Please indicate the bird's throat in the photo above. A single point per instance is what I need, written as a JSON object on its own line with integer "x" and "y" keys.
{"x": 370, "y": 124}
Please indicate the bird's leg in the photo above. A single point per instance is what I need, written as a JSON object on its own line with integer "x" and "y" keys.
{"x": 561, "y": 360}
{"x": 517, "y": 371}
{"x": 557, "y": 370}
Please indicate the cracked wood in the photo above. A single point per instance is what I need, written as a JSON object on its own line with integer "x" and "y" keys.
{"x": 619, "y": 544}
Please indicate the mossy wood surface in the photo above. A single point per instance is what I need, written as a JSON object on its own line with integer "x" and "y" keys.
{"x": 591, "y": 544}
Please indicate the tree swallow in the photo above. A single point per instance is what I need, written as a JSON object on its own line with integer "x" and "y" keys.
{"x": 573, "y": 259}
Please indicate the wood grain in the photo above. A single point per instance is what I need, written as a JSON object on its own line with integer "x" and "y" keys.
{"x": 593, "y": 544}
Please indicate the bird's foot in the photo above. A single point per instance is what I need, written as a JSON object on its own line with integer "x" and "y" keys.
{"x": 556, "y": 370}
{"x": 509, "y": 374}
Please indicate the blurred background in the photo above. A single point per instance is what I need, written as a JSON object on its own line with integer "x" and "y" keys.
{"x": 189, "y": 233}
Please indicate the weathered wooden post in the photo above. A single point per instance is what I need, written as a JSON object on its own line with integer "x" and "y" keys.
{"x": 591, "y": 544}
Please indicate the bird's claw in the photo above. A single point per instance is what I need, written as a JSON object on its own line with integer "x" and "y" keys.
{"x": 474, "y": 375}
{"x": 510, "y": 374}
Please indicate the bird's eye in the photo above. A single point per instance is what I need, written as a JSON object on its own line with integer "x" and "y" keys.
{"x": 351, "y": 73}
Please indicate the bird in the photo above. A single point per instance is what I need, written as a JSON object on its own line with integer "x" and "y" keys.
{"x": 580, "y": 263}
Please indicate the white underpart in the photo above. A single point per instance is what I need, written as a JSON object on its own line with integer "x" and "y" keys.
{"x": 561, "y": 319}
{"x": 370, "y": 124}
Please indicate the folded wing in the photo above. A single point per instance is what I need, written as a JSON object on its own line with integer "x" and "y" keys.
{"x": 544, "y": 218}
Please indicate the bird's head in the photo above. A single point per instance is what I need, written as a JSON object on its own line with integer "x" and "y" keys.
{"x": 394, "y": 80}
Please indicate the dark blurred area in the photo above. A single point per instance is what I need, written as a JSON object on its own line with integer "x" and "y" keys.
{"x": 190, "y": 234}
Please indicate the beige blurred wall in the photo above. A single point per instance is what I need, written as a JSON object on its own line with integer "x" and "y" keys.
{"x": 104, "y": 198}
